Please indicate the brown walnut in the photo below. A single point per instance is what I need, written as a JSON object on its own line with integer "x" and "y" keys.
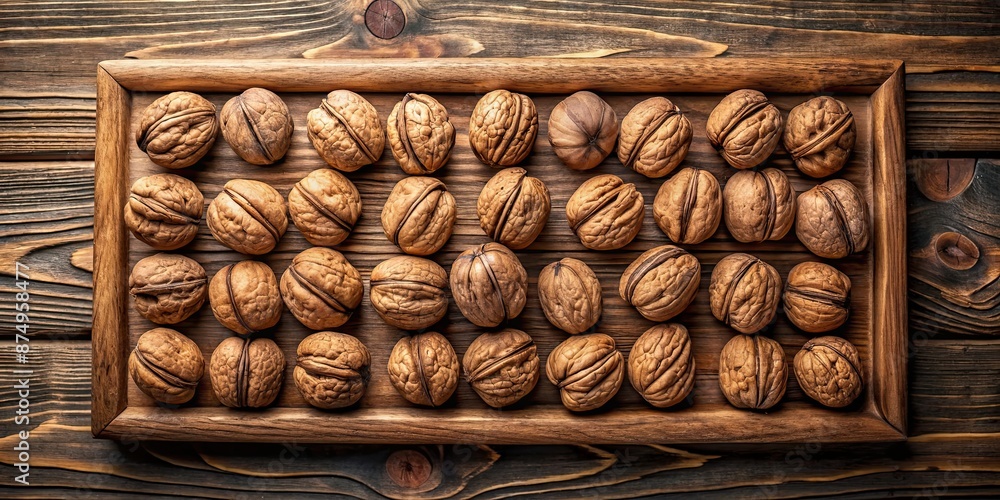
{"x": 820, "y": 135}
{"x": 745, "y": 128}
{"x": 752, "y": 372}
{"x": 655, "y": 137}
{"x": 502, "y": 367}
{"x": 817, "y": 297}
{"x": 583, "y": 129}
{"x": 321, "y": 288}
{"x": 167, "y": 288}
{"x": 513, "y": 208}
{"x": 324, "y": 206}
{"x": 245, "y": 297}
{"x": 424, "y": 369}
{"x": 502, "y": 128}
{"x": 661, "y": 365}
{"x": 163, "y": 211}
{"x": 420, "y": 134}
{"x": 832, "y": 219}
{"x": 605, "y": 212}
{"x": 489, "y": 284}
{"x": 744, "y": 292}
{"x": 346, "y": 131}
{"x": 587, "y": 369}
{"x": 570, "y": 295}
{"x": 760, "y": 205}
{"x": 166, "y": 366}
{"x": 688, "y": 206}
{"x": 661, "y": 282}
{"x": 248, "y": 216}
{"x": 829, "y": 371}
{"x": 409, "y": 292}
{"x": 247, "y": 373}
{"x": 419, "y": 215}
{"x": 332, "y": 370}
{"x": 177, "y": 129}
{"x": 258, "y": 126}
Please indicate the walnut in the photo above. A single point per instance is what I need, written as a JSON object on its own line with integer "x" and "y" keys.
{"x": 332, "y": 370}
{"x": 177, "y": 129}
{"x": 167, "y": 288}
{"x": 163, "y": 211}
{"x": 832, "y": 219}
{"x": 247, "y": 373}
{"x": 166, "y": 366}
{"x": 489, "y": 284}
{"x": 582, "y": 130}
{"x": 688, "y": 206}
{"x": 587, "y": 369}
{"x": 408, "y": 292}
{"x": 424, "y": 369}
{"x": 661, "y": 365}
{"x": 760, "y": 205}
{"x": 321, "y": 288}
{"x": 752, "y": 372}
{"x": 661, "y": 282}
{"x": 419, "y": 215}
{"x": 829, "y": 371}
{"x": 346, "y": 131}
{"x": 655, "y": 137}
{"x": 420, "y": 134}
{"x": 248, "y": 216}
{"x": 744, "y": 292}
{"x": 258, "y": 126}
{"x": 502, "y": 367}
{"x": 820, "y": 135}
{"x": 245, "y": 297}
{"x": 325, "y": 206}
{"x": 745, "y": 128}
{"x": 502, "y": 128}
{"x": 570, "y": 295}
{"x": 816, "y": 297}
{"x": 513, "y": 208}
{"x": 605, "y": 212}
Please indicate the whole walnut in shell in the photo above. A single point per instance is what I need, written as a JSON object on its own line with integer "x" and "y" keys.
{"x": 325, "y": 206}
{"x": 688, "y": 206}
{"x": 513, "y": 208}
{"x": 424, "y": 369}
{"x": 163, "y": 211}
{"x": 661, "y": 282}
{"x": 332, "y": 370}
{"x": 245, "y": 297}
{"x": 346, "y": 131}
{"x": 661, "y": 365}
{"x": 745, "y": 128}
{"x": 752, "y": 372}
{"x": 744, "y": 292}
{"x": 502, "y": 367}
{"x": 419, "y": 215}
{"x": 247, "y": 373}
{"x": 760, "y": 205}
{"x": 408, "y": 292}
{"x": 570, "y": 295}
{"x": 820, "y": 135}
{"x": 420, "y": 134}
{"x": 167, "y": 288}
{"x": 177, "y": 129}
{"x": 489, "y": 284}
{"x": 321, "y": 288}
{"x": 258, "y": 126}
{"x": 583, "y": 129}
{"x": 587, "y": 369}
{"x": 829, "y": 371}
{"x": 832, "y": 219}
{"x": 248, "y": 216}
{"x": 655, "y": 137}
{"x": 817, "y": 297}
{"x": 166, "y": 366}
{"x": 502, "y": 128}
{"x": 605, "y": 212}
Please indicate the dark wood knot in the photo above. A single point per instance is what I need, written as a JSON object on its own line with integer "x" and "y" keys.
{"x": 943, "y": 179}
{"x": 956, "y": 251}
{"x": 385, "y": 19}
{"x": 408, "y": 468}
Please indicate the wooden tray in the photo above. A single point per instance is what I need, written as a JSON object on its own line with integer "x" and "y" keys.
{"x": 877, "y": 326}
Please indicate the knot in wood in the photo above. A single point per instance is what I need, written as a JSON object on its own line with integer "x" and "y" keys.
{"x": 956, "y": 251}
{"x": 384, "y": 19}
{"x": 408, "y": 468}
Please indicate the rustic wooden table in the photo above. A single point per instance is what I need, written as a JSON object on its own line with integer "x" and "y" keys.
{"x": 48, "y": 56}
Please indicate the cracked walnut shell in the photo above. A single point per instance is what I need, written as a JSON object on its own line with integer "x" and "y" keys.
{"x": 583, "y": 129}
{"x": 828, "y": 370}
{"x": 245, "y": 297}
{"x": 166, "y": 366}
{"x": 346, "y": 131}
{"x": 752, "y": 372}
{"x": 587, "y": 369}
{"x": 744, "y": 292}
{"x": 570, "y": 295}
{"x": 760, "y": 205}
{"x": 655, "y": 137}
{"x": 817, "y": 297}
{"x": 247, "y": 373}
{"x": 167, "y": 288}
{"x": 258, "y": 126}
{"x": 324, "y": 206}
{"x": 820, "y": 135}
{"x": 502, "y": 367}
{"x": 832, "y": 219}
{"x": 321, "y": 288}
{"x": 745, "y": 128}
{"x": 420, "y": 134}
{"x": 332, "y": 370}
{"x": 661, "y": 282}
{"x": 513, "y": 208}
{"x": 177, "y": 129}
{"x": 489, "y": 284}
{"x": 248, "y": 216}
{"x": 502, "y": 128}
{"x": 419, "y": 215}
{"x": 605, "y": 212}
{"x": 163, "y": 211}
{"x": 409, "y": 292}
{"x": 688, "y": 206}
{"x": 661, "y": 365}
{"x": 424, "y": 369}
